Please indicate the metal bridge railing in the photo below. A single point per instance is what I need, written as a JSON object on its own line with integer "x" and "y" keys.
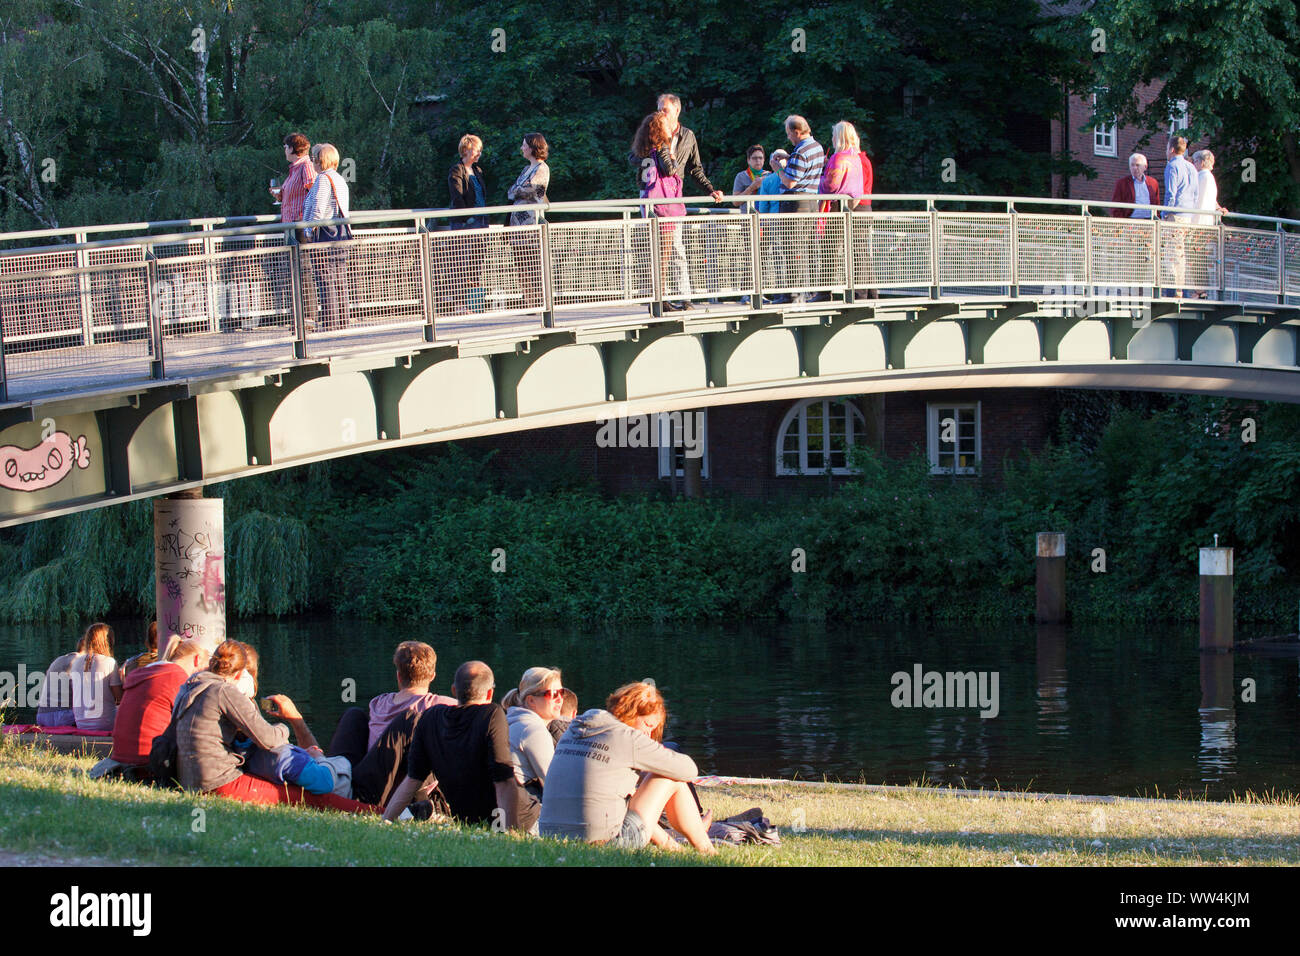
{"x": 181, "y": 297}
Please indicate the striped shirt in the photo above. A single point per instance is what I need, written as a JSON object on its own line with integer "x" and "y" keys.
{"x": 805, "y": 166}
{"x": 296, "y": 187}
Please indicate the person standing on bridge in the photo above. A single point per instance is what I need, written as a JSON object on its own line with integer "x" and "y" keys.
{"x": 1137, "y": 187}
{"x": 651, "y": 158}
{"x": 469, "y": 189}
{"x": 801, "y": 176}
{"x": 292, "y": 195}
{"x": 1180, "y": 191}
{"x": 842, "y": 175}
{"x": 1207, "y": 198}
{"x": 684, "y": 152}
{"x": 327, "y": 200}
{"x": 529, "y": 188}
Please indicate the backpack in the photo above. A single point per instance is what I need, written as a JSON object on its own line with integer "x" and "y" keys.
{"x": 164, "y": 753}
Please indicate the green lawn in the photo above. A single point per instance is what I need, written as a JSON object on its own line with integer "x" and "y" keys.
{"x": 49, "y": 807}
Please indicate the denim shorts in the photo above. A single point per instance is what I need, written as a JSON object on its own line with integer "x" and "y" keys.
{"x": 635, "y": 835}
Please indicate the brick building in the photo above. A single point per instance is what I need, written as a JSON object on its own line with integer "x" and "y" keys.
{"x": 771, "y": 449}
{"x": 1107, "y": 148}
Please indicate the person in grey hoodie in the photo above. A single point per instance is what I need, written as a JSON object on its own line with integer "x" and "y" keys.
{"x": 214, "y": 708}
{"x": 593, "y": 791}
{"x": 531, "y": 743}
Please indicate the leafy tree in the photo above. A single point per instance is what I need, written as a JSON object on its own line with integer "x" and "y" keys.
{"x": 157, "y": 109}
{"x": 1236, "y": 65}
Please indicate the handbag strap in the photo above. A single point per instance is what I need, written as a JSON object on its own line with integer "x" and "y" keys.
{"x": 335, "y": 193}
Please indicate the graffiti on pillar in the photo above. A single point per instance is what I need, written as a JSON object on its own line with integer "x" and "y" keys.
{"x": 43, "y": 465}
{"x": 213, "y": 585}
{"x": 188, "y": 552}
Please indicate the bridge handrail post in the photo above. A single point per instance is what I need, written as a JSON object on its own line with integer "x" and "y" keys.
{"x": 1222, "y": 257}
{"x": 1155, "y": 245}
{"x": 82, "y": 259}
{"x": 1015, "y": 249}
{"x": 1281, "y": 262}
{"x": 430, "y": 306}
{"x": 210, "y": 274}
{"x": 934, "y": 248}
{"x": 850, "y": 283}
{"x": 755, "y": 260}
{"x": 656, "y": 266}
{"x": 4, "y": 378}
{"x": 158, "y": 361}
{"x": 1086, "y": 213}
{"x": 627, "y": 256}
{"x": 297, "y": 309}
{"x": 548, "y": 275}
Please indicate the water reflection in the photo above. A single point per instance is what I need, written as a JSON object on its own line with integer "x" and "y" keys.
{"x": 1217, "y": 756}
{"x": 1052, "y": 698}
{"x": 783, "y": 700}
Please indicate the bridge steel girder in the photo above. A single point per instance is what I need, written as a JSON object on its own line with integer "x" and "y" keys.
{"x": 151, "y": 439}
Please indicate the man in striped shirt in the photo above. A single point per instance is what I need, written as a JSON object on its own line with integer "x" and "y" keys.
{"x": 802, "y": 174}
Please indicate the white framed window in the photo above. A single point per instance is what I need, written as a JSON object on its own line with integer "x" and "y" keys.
{"x": 1178, "y": 118}
{"x": 675, "y": 434}
{"x": 815, "y": 437}
{"x": 953, "y": 437}
{"x": 1104, "y": 135}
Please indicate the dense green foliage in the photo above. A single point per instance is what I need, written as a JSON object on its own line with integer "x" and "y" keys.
{"x": 150, "y": 109}
{"x": 1237, "y": 66}
{"x": 411, "y": 535}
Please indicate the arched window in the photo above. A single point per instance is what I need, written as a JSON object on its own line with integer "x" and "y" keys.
{"x": 816, "y": 436}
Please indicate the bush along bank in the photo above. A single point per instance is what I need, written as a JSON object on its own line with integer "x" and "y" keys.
{"x": 435, "y": 534}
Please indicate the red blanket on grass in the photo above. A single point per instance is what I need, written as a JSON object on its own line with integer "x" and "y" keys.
{"x": 53, "y": 731}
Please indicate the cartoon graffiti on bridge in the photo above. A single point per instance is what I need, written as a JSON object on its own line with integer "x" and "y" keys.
{"x": 43, "y": 465}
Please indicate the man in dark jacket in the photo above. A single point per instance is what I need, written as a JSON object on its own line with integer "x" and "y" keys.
{"x": 468, "y": 189}
{"x": 686, "y": 162}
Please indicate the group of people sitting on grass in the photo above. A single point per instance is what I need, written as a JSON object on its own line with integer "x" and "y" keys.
{"x": 528, "y": 763}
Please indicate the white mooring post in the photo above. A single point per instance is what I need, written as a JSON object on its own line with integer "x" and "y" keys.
{"x": 1216, "y": 598}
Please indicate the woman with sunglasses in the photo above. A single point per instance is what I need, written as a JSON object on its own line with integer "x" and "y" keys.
{"x": 611, "y": 778}
{"x": 528, "y": 712}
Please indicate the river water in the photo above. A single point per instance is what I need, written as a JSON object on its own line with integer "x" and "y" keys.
{"x": 1126, "y": 712}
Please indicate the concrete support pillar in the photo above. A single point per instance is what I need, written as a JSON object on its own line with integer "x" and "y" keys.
{"x": 1050, "y": 578}
{"x": 693, "y": 475}
{"x": 1216, "y": 599}
{"x": 189, "y": 567}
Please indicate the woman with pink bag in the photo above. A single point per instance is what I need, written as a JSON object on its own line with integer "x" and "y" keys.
{"x": 652, "y": 159}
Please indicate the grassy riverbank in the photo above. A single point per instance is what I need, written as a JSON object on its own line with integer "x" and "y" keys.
{"x": 49, "y": 809}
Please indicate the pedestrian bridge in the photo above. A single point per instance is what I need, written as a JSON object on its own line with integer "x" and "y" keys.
{"x": 142, "y": 358}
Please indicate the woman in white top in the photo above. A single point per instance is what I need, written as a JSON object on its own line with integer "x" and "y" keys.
{"x": 327, "y": 200}
{"x": 1207, "y": 190}
{"x": 93, "y": 707}
{"x": 1207, "y": 198}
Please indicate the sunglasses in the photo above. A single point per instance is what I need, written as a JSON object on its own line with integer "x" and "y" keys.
{"x": 552, "y": 694}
